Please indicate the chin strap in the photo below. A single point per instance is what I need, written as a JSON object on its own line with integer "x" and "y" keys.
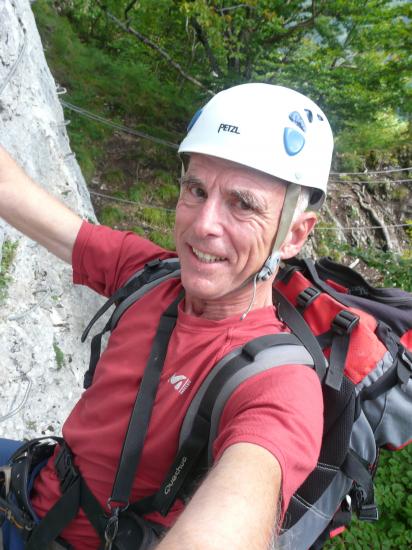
{"x": 285, "y": 221}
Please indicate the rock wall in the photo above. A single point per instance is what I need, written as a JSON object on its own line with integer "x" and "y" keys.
{"x": 41, "y": 313}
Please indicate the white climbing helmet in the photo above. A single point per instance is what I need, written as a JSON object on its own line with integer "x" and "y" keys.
{"x": 270, "y": 128}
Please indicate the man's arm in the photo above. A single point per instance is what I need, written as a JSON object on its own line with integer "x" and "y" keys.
{"x": 34, "y": 212}
{"x": 235, "y": 507}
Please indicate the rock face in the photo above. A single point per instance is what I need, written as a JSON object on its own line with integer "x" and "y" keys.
{"x": 41, "y": 313}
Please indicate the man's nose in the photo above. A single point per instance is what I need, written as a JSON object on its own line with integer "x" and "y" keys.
{"x": 209, "y": 219}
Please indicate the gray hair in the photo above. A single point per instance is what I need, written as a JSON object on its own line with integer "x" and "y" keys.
{"x": 303, "y": 202}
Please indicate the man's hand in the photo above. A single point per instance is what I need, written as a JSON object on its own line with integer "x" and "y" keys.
{"x": 34, "y": 212}
{"x": 235, "y": 508}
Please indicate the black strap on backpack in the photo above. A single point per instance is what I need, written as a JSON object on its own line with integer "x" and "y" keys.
{"x": 151, "y": 275}
{"x": 75, "y": 493}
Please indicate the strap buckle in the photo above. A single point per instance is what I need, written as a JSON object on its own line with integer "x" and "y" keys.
{"x": 406, "y": 357}
{"x": 153, "y": 264}
{"x": 306, "y": 297}
{"x": 404, "y": 368}
{"x": 65, "y": 469}
{"x": 368, "y": 512}
{"x": 344, "y": 322}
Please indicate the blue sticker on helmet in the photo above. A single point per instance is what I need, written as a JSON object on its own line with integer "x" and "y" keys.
{"x": 194, "y": 118}
{"x": 293, "y": 141}
{"x": 298, "y": 120}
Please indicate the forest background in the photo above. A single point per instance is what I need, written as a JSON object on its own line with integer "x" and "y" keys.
{"x": 144, "y": 67}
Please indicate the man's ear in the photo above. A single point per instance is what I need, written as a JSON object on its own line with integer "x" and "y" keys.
{"x": 297, "y": 235}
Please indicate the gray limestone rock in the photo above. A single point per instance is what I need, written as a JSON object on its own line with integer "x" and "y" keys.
{"x": 41, "y": 313}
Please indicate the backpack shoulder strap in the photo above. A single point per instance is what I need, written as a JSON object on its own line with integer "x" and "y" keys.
{"x": 136, "y": 286}
{"x": 201, "y": 422}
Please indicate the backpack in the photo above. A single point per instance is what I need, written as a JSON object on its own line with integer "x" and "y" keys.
{"x": 358, "y": 339}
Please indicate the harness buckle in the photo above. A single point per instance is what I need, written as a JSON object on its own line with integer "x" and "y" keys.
{"x": 407, "y": 357}
{"x": 153, "y": 264}
{"x": 65, "y": 469}
{"x": 344, "y": 322}
{"x": 368, "y": 512}
{"x": 306, "y": 297}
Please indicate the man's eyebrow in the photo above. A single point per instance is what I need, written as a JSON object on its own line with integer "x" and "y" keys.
{"x": 188, "y": 178}
{"x": 254, "y": 202}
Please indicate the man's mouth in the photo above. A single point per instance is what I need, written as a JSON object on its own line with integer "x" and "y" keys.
{"x": 206, "y": 258}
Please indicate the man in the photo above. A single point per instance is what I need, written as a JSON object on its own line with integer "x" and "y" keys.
{"x": 254, "y": 158}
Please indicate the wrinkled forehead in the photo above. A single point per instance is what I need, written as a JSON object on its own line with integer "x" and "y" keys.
{"x": 206, "y": 167}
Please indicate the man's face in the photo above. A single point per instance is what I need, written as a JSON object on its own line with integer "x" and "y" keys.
{"x": 226, "y": 219}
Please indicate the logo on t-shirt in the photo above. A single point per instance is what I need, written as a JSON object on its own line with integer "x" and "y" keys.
{"x": 180, "y": 382}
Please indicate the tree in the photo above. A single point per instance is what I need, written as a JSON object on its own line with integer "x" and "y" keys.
{"x": 351, "y": 56}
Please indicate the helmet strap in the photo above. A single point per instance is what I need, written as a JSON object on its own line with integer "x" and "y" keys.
{"x": 285, "y": 221}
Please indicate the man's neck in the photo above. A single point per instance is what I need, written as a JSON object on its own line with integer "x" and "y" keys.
{"x": 236, "y": 303}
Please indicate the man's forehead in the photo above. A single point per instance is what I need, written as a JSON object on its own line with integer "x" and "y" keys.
{"x": 202, "y": 165}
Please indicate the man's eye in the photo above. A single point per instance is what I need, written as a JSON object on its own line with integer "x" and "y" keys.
{"x": 197, "y": 192}
{"x": 243, "y": 205}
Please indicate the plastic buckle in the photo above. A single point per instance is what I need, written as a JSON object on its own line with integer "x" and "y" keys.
{"x": 153, "y": 264}
{"x": 368, "y": 512}
{"x": 306, "y": 297}
{"x": 66, "y": 471}
{"x": 406, "y": 357}
{"x": 344, "y": 322}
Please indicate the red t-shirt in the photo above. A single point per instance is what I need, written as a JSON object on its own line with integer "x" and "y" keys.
{"x": 280, "y": 410}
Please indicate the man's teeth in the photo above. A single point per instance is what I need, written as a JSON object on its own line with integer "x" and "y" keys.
{"x": 208, "y": 258}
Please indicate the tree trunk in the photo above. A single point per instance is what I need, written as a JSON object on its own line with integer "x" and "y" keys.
{"x": 41, "y": 313}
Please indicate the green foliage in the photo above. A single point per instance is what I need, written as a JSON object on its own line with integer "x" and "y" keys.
{"x": 164, "y": 240}
{"x": 139, "y": 231}
{"x": 111, "y": 216}
{"x": 393, "y": 531}
{"x": 111, "y": 82}
{"x": 8, "y": 252}
{"x": 114, "y": 176}
{"x": 350, "y": 56}
{"x": 59, "y": 356}
{"x": 397, "y": 270}
{"x": 158, "y": 216}
{"x": 327, "y": 243}
{"x": 139, "y": 192}
{"x": 408, "y": 231}
{"x": 167, "y": 193}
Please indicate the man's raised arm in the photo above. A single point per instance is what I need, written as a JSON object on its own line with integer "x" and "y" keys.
{"x": 34, "y": 212}
{"x": 235, "y": 507}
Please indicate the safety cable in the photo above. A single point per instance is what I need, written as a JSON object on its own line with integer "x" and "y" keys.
{"x": 15, "y": 64}
{"x": 371, "y": 182}
{"x": 98, "y": 118}
{"x": 362, "y": 227}
{"x": 351, "y": 228}
{"x": 126, "y": 201}
{"x": 23, "y": 402}
{"x": 367, "y": 172}
{"x": 120, "y": 127}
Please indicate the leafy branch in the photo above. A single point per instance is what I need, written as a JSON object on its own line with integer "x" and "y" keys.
{"x": 130, "y": 30}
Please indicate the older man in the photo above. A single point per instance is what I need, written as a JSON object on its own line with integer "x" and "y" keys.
{"x": 254, "y": 158}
